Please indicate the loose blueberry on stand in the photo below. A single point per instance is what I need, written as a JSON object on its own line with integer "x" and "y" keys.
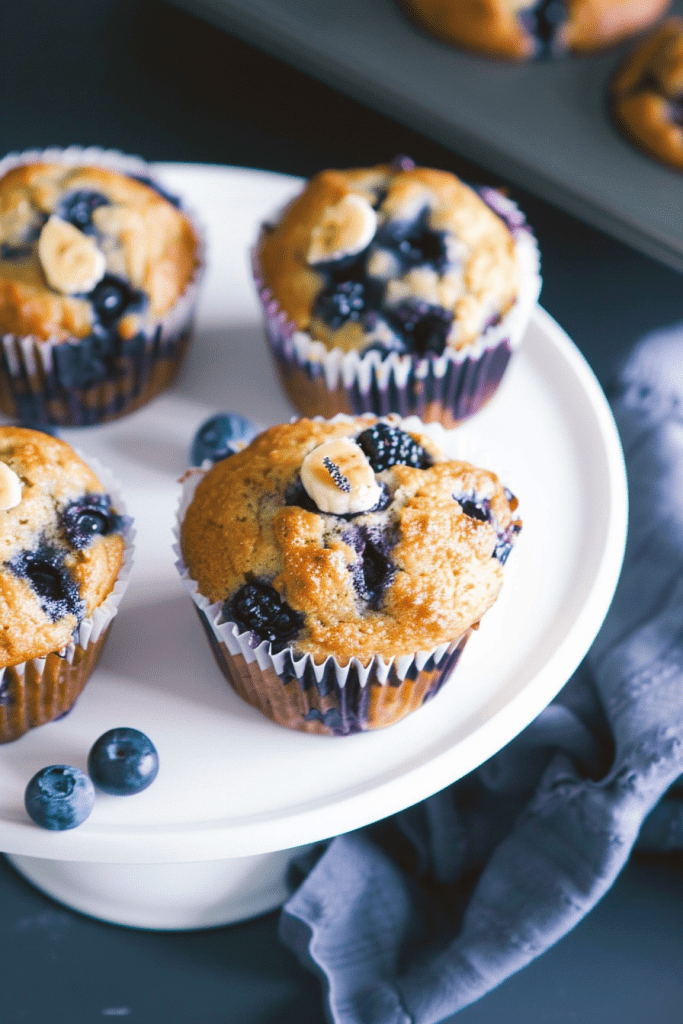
{"x": 59, "y": 797}
{"x": 221, "y": 436}
{"x": 123, "y": 761}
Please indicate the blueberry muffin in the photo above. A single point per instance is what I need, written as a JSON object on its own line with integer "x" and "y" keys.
{"x": 647, "y": 94}
{"x": 98, "y": 273}
{"x": 64, "y": 554}
{"x": 397, "y": 289}
{"x": 340, "y": 566}
{"x": 527, "y": 29}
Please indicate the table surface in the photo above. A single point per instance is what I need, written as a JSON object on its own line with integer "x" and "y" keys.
{"x": 143, "y": 76}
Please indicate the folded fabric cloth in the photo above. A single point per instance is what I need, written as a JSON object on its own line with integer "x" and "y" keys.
{"x": 412, "y": 919}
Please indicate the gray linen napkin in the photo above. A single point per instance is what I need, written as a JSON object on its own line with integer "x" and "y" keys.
{"x": 412, "y": 919}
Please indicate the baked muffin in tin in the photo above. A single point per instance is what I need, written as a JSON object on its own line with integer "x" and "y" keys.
{"x": 98, "y": 277}
{"x": 397, "y": 289}
{"x": 340, "y": 566}
{"x": 646, "y": 94}
{"x": 529, "y": 29}
{"x": 65, "y": 552}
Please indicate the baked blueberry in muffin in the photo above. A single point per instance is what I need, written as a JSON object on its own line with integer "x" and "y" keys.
{"x": 329, "y": 545}
{"x": 395, "y": 288}
{"x": 62, "y": 553}
{"x": 527, "y": 29}
{"x": 93, "y": 266}
{"x": 646, "y": 94}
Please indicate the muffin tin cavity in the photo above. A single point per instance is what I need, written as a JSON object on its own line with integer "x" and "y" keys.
{"x": 44, "y": 570}
{"x": 257, "y": 607}
{"x": 88, "y": 517}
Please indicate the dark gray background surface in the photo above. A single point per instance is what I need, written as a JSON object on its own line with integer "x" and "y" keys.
{"x": 146, "y": 77}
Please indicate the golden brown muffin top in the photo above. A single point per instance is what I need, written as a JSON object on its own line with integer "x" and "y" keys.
{"x": 647, "y": 94}
{"x": 61, "y": 547}
{"x": 69, "y": 231}
{"x": 415, "y": 570}
{"x": 523, "y": 29}
{"x": 403, "y": 258}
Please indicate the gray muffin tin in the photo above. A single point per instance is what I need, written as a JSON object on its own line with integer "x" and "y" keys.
{"x": 544, "y": 126}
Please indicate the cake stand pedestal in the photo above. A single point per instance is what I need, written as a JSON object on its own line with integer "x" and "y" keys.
{"x": 195, "y": 894}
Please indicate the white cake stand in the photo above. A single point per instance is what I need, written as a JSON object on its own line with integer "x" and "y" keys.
{"x": 209, "y": 842}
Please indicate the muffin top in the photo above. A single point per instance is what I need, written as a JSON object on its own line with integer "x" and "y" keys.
{"x": 395, "y": 258}
{"x": 87, "y": 250}
{"x": 523, "y": 29}
{"x": 61, "y": 547}
{"x": 349, "y": 537}
{"x": 647, "y": 94}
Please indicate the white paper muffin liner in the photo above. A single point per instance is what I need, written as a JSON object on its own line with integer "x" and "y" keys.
{"x": 32, "y": 387}
{"x": 328, "y": 698}
{"x": 448, "y": 388}
{"x": 30, "y": 692}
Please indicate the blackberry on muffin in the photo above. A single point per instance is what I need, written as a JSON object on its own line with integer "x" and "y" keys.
{"x": 646, "y": 94}
{"x": 395, "y": 288}
{"x": 98, "y": 270}
{"x": 354, "y": 556}
{"x": 64, "y": 553}
{"x": 532, "y": 29}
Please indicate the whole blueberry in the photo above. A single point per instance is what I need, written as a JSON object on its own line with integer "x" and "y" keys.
{"x": 59, "y": 797}
{"x": 123, "y": 761}
{"x": 221, "y": 436}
